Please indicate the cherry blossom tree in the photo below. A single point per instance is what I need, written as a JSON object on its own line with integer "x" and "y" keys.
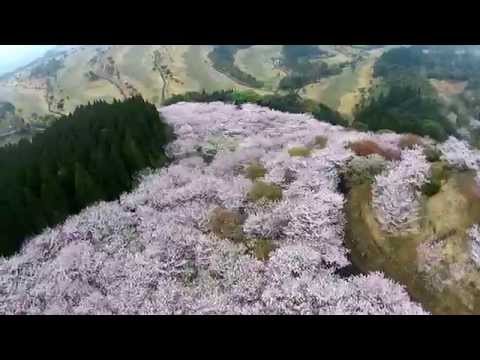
{"x": 396, "y": 191}
{"x": 459, "y": 154}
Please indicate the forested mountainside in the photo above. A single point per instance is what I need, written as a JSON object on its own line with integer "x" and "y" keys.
{"x": 259, "y": 214}
{"x": 427, "y": 90}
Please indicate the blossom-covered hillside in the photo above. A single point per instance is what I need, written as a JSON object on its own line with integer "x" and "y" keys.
{"x": 249, "y": 219}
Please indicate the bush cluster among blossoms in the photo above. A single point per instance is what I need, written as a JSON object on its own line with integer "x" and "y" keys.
{"x": 157, "y": 250}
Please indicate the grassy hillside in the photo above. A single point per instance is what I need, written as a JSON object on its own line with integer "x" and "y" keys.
{"x": 259, "y": 61}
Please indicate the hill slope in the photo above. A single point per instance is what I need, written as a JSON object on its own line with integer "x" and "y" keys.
{"x": 264, "y": 212}
{"x": 208, "y": 235}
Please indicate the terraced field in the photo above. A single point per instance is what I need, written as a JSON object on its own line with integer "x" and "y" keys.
{"x": 330, "y": 90}
{"x": 29, "y": 100}
{"x": 201, "y": 73}
{"x": 364, "y": 81}
{"x": 72, "y": 80}
{"x": 342, "y": 92}
{"x": 175, "y": 61}
{"x": 189, "y": 69}
{"x": 258, "y": 62}
{"x": 135, "y": 63}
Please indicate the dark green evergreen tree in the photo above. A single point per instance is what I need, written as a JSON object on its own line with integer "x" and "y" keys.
{"x": 90, "y": 155}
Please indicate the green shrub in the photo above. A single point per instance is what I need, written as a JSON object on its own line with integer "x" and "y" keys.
{"x": 438, "y": 173}
{"x": 357, "y": 125}
{"x": 463, "y": 121}
{"x": 320, "y": 142}
{"x": 384, "y": 131}
{"x": 324, "y": 113}
{"x": 299, "y": 151}
{"x": 439, "y": 170}
{"x": 227, "y": 224}
{"x": 290, "y": 102}
{"x": 266, "y": 191}
{"x": 434, "y": 130}
{"x": 309, "y": 105}
{"x": 432, "y": 154}
{"x": 363, "y": 169}
{"x": 262, "y": 248}
{"x": 476, "y": 141}
{"x": 254, "y": 171}
{"x": 431, "y": 188}
{"x": 242, "y": 97}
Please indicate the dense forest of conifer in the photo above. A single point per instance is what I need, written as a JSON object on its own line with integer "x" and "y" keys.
{"x": 90, "y": 155}
{"x": 405, "y": 100}
{"x": 405, "y": 109}
{"x": 438, "y": 62}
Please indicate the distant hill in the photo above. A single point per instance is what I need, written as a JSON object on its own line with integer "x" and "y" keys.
{"x": 14, "y": 56}
{"x": 68, "y": 76}
{"x": 346, "y": 78}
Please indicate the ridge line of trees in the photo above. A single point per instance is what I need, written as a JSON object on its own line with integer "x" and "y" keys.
{"x": 290, "y": 102}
